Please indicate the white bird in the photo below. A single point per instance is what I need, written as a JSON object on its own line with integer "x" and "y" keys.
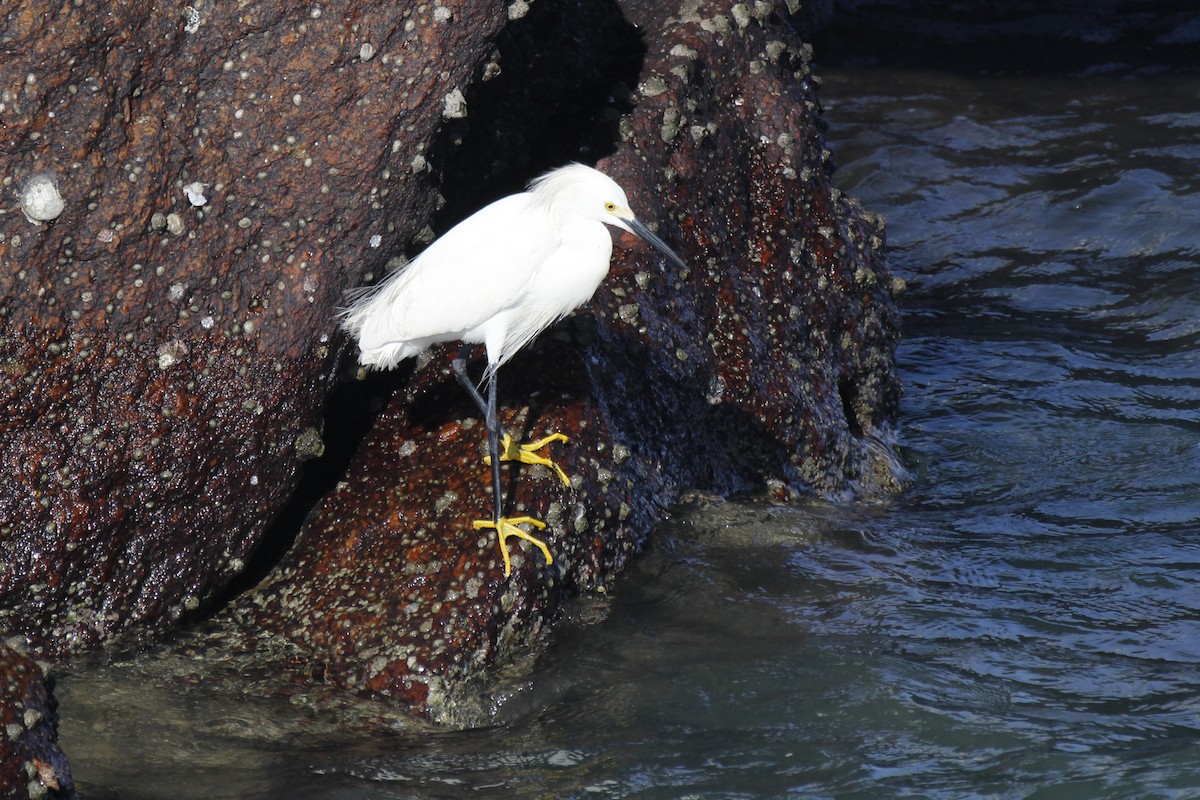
{"x": 499, "y": 278}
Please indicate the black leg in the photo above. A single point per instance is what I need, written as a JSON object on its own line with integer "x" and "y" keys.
{"x": 493, "y": 429}
{"x": 490, "y": 419}
{"x": 459, "y": 367}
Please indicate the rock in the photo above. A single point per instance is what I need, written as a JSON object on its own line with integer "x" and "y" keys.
{"x": 31, "y": 763}
{"x": 775, "y": 353}
{"x": 766, "y": 366}
{"x": 165, "y": 360}
{"x": 169, "y": 342}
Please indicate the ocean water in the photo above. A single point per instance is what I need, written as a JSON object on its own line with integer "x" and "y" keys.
{"x": 1023, "y": 622}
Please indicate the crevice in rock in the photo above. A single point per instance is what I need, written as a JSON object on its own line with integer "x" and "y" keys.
{"x": 848, "y": 393}
{"x": 521, "y": 121}
{"x": 350, "y": 412}
{"x": 546, "y": 106}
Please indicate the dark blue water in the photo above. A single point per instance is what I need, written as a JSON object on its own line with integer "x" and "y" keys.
{"x": 1023, "y": 623}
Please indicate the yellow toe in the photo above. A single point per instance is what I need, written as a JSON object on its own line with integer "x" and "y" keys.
{"x": 527, "y": 454}
{"x": 506, "y": 527}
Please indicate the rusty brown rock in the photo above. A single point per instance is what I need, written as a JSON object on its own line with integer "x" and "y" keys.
{"x": 778, "y": 344}
{"x": 31, "y": 763}
{"x": 390, "y": 589}
{"x": 766, "y": 366}
{"x": 226, "y": 170}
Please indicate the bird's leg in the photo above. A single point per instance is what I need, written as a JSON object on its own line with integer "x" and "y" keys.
{"x": 491, "y": 419}
{"x": 509, "y": 451}
{"x": 504, "y": 526}
{"x": 459, "y": 367}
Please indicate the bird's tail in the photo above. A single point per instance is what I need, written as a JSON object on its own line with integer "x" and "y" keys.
{"x": 354, "y": 315}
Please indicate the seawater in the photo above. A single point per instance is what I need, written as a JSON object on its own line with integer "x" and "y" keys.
{"x": 1024, "y": 622}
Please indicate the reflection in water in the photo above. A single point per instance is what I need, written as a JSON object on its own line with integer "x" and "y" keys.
{"x": 1023, "y": 623}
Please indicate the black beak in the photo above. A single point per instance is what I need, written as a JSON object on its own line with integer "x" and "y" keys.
{"x": 649, "y": 235}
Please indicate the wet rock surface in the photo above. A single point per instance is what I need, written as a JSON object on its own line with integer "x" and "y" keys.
{"x": 31, "y": 762}
{"x": 169, "y": 343}
{"x": 224, "y": 173}
{"x": 777, "y": 345}
{"x": 391, "y": 591}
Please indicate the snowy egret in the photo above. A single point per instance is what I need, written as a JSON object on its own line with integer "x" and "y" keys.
{"x": 499, "y": 278}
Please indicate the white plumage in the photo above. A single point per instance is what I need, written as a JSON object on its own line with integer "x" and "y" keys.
{"x": 500, "y": 277}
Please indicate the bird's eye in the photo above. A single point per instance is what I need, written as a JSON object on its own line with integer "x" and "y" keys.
{"x": 610, "y": 207}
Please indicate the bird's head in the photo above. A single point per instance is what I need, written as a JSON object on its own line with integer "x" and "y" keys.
{"x": 583, "y": 192}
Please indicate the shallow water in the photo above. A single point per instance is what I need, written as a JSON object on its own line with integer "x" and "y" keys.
{"x": 1023, "y": 623}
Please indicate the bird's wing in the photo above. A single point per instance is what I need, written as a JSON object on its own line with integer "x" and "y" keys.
{"x": 476, "y": 270}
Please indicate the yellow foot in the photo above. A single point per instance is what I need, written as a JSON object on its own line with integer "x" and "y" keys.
{"x": 527, "y": 454}
{"x": 507, "y": 527}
